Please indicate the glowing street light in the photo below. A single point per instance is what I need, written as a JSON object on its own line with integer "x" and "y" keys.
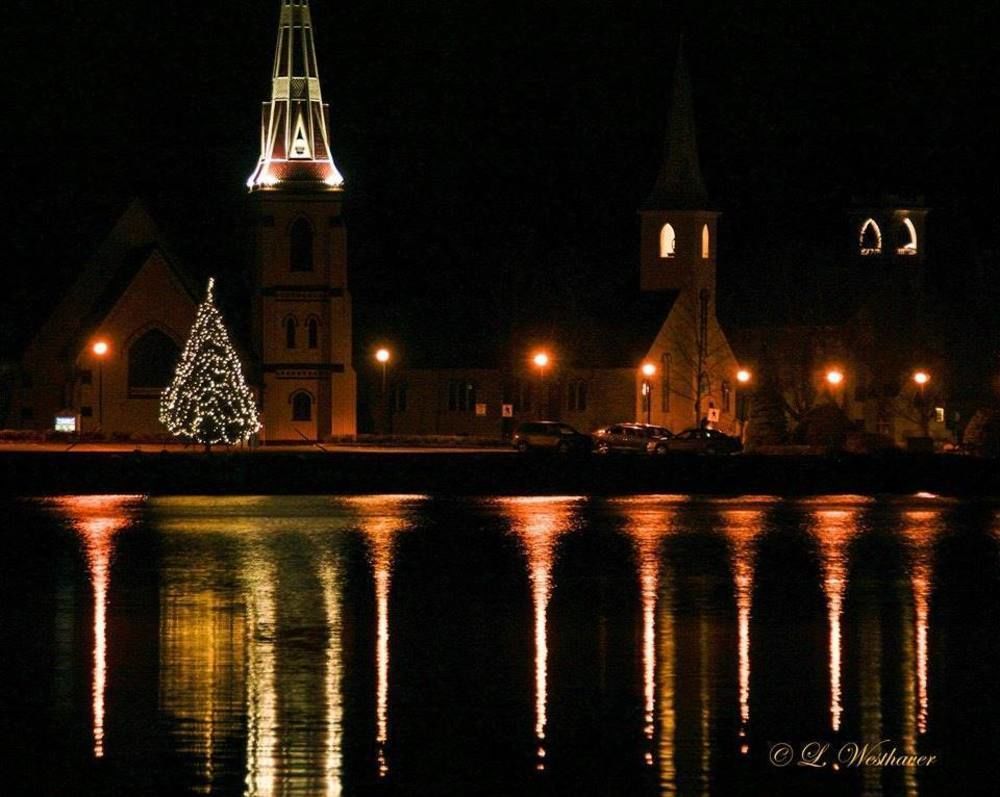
{"x": 100, "y": 350}
{"x": 835, "y": 377}
{"x": 648, "y": 372}
{"x": 921, "y": 378}
{"x": 744, "y": 377}
{"x": 542, "y": 360}
{"x": 383, "y": 356}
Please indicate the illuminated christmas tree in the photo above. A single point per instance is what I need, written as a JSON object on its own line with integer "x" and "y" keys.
{"x": 209, "y": 401}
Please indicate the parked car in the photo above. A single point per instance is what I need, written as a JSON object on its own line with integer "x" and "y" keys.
{"x": 697, "y": 441}
{"x": 550, "y": 436}
{"x": 628, "y": 438}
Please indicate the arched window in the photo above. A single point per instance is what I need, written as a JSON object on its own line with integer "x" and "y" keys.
{"x": 870, "y": 239}
{"x": 290, "y": 330}
{"x": 302, "y": 406}
{"x": 706, "y": 243}
{"x": 907, "y": 238}
{"x": 312, "y": 333}
{"x": 668, "y": 241}
{"x": 301, "y": 246}
{"x": 152, "y": 359}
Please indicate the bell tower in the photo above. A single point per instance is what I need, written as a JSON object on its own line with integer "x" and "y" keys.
{"x": 678, "y": 237}
{"x": 302, "y": 307}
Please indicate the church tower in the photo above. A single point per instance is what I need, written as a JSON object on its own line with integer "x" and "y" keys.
{"x": 302, "y": 307}
{"x": 678, "y": 236}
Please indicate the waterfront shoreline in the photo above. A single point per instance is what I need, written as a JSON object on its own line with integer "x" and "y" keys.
{"x": 336, "y": 472}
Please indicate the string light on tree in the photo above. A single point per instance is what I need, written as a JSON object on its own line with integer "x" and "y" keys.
{"x": 209, "y": 401}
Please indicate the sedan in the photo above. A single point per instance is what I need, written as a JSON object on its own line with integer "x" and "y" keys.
{"x": 626, "y": 438}
{"x": 697, "y": 441}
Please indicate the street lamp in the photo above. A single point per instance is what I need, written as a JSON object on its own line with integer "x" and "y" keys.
{"x": 743, "y": 378}
{"x": 383, "y": 356}
{"x": 542, "y": 361}
{"x": 648, "y": 372}
{"x": 835, "y": 377}
{"x": 100, "y": 350}
{"x": 922, "y": 378}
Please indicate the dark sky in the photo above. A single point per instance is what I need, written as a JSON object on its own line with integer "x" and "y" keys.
{"x": 502, "y": 144}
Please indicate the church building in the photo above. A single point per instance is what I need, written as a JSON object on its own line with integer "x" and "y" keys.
{"x": 110, "y": 346}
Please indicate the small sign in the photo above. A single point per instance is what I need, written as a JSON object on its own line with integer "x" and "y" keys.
{"x": 939, "y": 414}
{"x": 66, "y": 423}
{"x": 714, "y": 415}
{"x": 481, "y": 410}
{"x": 508, "y": 410}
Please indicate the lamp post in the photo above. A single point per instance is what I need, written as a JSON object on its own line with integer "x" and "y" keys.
{"x": 921, "y": 379}
{"x": 834, "y": 378}
{"x": 100, "y": 350}
{"x": 542, "y": 361}
{"x": 648, "y": 372}
{"x": 383, "y": 356}
{"x": 743, "y": 379}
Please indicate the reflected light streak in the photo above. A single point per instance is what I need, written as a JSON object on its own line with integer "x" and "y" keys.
{"x": 742, "y": 527}
{"x": 834, "y": 529}
{"x": 921, "y": 530}
{"x": 330, "y": 581}
{"x": 871, "y": 693}
{"x": 262, "y": 709}
{"x": 97, "y": 519}
{"x": 382, "y": 519}
{"x": 538, "y": 524}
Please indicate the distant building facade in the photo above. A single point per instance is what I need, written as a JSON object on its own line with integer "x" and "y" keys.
{"x": 672, "y": 364}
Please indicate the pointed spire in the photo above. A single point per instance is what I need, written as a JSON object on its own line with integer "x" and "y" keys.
{"x": 295, "y": 131}
{"x": 679, "y": 184}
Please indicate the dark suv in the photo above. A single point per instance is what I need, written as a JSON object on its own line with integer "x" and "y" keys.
{"x": 550, "y": 436}
{"x": 628, "y": 438}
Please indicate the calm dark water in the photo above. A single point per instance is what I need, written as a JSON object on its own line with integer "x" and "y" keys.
{"x": 423, "y": 646}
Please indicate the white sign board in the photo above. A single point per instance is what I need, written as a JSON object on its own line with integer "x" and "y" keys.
{"x": 508, "y": 410}
{"x": 713, "y": 415}
{"x": 65, "y": 423}
{"x": 481, "y": 410}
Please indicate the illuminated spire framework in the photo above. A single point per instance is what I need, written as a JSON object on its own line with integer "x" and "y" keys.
{"x": 295, "y": 130}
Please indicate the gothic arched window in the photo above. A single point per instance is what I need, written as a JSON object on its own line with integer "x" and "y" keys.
{"x": 302, "y": 406}
{"x": 870, "y": 238}
{"x": 152, "y": 359}
{"x": 312, "y": 333}
{"x": 668, "y": 241}
{"x": 291, "y": 328}
{"x": 706, "y": 243}
{"x": 907, "y": 238}
{"x": 300, "y": 239}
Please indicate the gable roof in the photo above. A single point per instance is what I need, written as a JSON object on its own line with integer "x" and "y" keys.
{"x": 133, "y": 241}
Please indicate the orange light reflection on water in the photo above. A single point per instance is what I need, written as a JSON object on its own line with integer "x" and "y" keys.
{"x": 834, "y": 530}
{"x": 97, "y": 520}
{"x": 538, "y": 524}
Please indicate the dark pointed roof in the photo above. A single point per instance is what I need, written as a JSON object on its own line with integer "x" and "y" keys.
{"x": 679, "y": 185}
{"x": 132, "y": 242}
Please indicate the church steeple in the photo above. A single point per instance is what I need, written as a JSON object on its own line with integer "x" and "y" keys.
{"x": 295, "y": 132}
{"x": 679, "y": 184}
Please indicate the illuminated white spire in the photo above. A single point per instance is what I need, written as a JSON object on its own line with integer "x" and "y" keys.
{"x": 295, "y": 131}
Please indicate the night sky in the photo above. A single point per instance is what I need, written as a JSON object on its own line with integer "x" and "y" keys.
{"x": 496, "y": 148}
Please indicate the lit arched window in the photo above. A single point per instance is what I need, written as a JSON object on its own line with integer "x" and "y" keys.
{"x": 668, "y": 241}
{"x": 312, "y": 333}
{"x": 302, "y": 407}
{"x": 706, "y": 243}
{"x": 152, "y": 359}
{"x": 871, "y": 238}
{"x": 290, "y": 330}
{"x": 907, "y": 238}
{"x": 300, "y": 239}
